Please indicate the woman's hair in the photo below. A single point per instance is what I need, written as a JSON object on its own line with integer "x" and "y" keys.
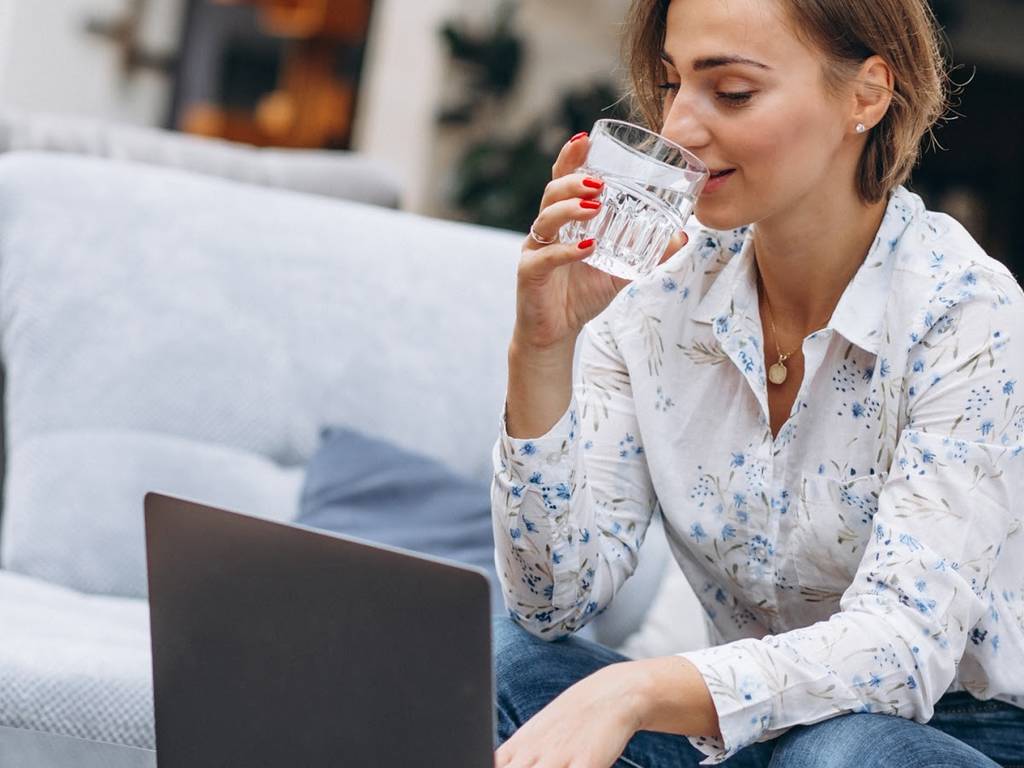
{"x": 903, "y": 32}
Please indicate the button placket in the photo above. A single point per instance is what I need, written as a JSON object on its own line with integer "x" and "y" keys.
{"x": 739, "y": 336}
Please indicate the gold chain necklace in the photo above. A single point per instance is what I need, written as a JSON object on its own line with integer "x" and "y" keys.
{"x": 778, "y": 373}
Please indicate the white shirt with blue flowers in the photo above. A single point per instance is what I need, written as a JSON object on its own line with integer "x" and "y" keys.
{"x": 869, "y": 557}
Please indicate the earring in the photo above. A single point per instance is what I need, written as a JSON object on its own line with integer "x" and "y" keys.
{"x": 860, "y": 128}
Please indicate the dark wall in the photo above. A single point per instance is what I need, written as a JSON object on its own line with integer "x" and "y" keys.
{"x": 979, "y": 177}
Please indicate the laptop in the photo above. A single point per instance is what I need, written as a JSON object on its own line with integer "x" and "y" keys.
{"x": 276, "y": 645}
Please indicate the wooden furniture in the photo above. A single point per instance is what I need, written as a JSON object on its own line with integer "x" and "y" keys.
{"x": 313, "y": 103}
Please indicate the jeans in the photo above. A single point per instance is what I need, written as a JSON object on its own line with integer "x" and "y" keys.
{"x": 964, "y": 731}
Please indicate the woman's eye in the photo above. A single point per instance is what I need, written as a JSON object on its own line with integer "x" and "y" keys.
{"x": 668, "y": 86}
{"x": 735, "y": 97}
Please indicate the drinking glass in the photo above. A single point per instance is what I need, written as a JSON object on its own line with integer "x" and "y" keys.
{"x": 650, "y": 187}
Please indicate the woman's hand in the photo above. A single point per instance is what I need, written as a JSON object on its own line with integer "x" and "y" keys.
{"x": 557, "y": 293}
{"x": 587, "y": 726}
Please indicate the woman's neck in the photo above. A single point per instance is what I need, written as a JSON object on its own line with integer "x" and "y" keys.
{"x": 807, "y": 256}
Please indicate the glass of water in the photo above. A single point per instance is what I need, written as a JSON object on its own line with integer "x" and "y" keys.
{"x": 650, "y": 187}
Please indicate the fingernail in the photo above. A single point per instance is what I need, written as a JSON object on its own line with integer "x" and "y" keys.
{"x": 592, "y": 183}
{"x": 584, "y": 244}
{"x": 578, "y": 136}
{"x": 591, "y": 204}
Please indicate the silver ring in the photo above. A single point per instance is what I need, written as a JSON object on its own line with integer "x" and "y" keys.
{"x": 540, "y": 239}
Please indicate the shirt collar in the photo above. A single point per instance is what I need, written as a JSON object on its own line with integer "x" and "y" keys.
{"x": 860, "y": 313}
{"x": 735, "y": 280}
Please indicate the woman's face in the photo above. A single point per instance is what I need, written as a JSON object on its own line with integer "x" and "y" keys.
{"x": 768, "y": 119}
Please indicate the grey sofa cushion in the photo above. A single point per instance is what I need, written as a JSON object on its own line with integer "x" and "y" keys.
{"x": 142, "y": 298}
{"x": 157, "y": 301}
{"x": 373, "y": 490}
{"x": 73, "y": 664}
{"x": 78, "y": 496}
{"x": 345, "y": 175}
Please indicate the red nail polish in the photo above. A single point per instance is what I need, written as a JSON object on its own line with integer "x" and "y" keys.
{"x": 584, "y": 244}
{"x": 578, "y": 136}
{"x": 591, "y": 204}
{"x": 592, "y": 183}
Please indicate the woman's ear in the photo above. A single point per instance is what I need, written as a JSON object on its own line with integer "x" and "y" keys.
{"x": 872, "y": 93}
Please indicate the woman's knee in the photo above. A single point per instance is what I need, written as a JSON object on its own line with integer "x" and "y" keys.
{"x": 873, "y": 741}
{"x": 508, "y": 636}
{"x": 523, "y": 661}
{"x": 524, "y": 671}
{"x": 519, "y": 653}
{"x": 514, "y": 648}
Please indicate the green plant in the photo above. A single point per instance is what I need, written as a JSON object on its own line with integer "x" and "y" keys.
{"x": 498, "y": 181}
{"x": 492, "y": 61}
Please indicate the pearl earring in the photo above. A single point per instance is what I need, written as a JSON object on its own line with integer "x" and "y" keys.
{"x": 861, "y": 128}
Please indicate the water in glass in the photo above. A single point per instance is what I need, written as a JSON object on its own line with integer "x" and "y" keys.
{"x": 634, "y": 226}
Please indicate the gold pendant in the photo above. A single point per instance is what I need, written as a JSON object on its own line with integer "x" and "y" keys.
{"x": 777, "y": 373}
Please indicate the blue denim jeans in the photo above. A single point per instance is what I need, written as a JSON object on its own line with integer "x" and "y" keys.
{"x": 964, "y": 731}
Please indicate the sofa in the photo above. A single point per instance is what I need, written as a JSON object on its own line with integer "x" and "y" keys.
{"x": 189, "y": 328}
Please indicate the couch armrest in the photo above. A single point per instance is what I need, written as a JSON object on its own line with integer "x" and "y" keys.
{"x": 333, "y": 173}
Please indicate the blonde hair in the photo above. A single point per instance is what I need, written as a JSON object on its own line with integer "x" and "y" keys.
{"x": 904, "y": 33}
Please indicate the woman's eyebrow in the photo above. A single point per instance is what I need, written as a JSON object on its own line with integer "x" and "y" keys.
{"x": 716, "y": 61}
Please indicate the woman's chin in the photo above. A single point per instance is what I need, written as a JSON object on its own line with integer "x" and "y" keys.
{"x": 714, "y": 215}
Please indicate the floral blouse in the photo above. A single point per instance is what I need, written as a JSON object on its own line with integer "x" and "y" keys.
{"x": 870, "y": 556}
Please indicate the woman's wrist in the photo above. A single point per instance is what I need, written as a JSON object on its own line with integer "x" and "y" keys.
{"x": 539, "y": 388}
{"x": 557, "y": 356}
{"x": 668, "y": 695}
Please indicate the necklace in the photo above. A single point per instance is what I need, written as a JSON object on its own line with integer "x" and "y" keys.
{"x": 777, "y": 373}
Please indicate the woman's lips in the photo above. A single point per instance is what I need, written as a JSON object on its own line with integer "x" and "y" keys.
{"x": 717, "y": 180}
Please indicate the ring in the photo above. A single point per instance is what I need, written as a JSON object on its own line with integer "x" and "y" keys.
{"x": 540, "y": 239}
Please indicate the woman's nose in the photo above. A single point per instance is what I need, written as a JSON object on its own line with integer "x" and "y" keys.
{"x": 684, "y": 126}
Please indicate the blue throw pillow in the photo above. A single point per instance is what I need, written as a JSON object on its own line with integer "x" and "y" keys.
{"x": 371, "y": 489}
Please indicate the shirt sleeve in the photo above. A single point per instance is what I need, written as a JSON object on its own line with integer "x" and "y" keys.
{"x": 571, "y": 509}
{"x": 951, "y": 499}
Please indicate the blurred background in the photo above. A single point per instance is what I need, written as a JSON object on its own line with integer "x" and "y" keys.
{"x": 466, "y": 100}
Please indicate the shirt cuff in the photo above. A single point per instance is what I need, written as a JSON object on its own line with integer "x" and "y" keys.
{"x": 743, "y": 698}
{"x": 523, "y": 458}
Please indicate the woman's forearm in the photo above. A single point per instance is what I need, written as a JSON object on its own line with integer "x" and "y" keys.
{"x": 539, "y": 389}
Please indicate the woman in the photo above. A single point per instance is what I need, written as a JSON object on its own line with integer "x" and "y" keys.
{"x": 823, "y": 395}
